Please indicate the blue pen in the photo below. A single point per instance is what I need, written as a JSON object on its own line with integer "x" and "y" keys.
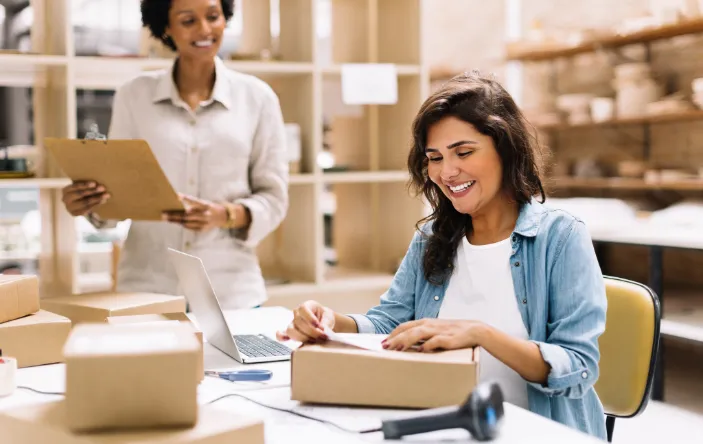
{"x": 243, "y": 375}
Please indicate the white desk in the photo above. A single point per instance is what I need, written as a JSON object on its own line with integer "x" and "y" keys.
{"x": 520, "y": 426}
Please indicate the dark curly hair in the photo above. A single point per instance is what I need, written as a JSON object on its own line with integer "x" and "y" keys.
{"x": 155, "y": 17}
{"x": 483, "y": 103}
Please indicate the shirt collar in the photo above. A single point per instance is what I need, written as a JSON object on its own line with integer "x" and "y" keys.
{"x": 529, "y": 218}
{"x": 166, "y": 86}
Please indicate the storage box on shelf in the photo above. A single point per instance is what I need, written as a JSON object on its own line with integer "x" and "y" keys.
{"x": 292, "y": 64}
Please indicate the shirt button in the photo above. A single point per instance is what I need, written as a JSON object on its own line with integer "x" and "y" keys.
{"x": 188, "y": 244}
{"x": 524, "y": 301}
{"x": 192, "y": 122}
{"x": 584, "y": 375}
{"x": 436, "y": 298}
{"x": 517, "y": 264}
{"x": 514, "y": 238}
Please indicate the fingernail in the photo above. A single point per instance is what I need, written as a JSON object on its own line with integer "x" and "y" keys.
{"x": 92, "y": 184}
{"x": 384, "y": 345}
{"x": 101, "y": 188}
{"x": 384, "y": 341}
{"x": 420, "y": 349}
{"x": 164, "y": 217}
{"x": 324, "y": 337}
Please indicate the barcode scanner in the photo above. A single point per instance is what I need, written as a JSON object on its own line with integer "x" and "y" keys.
{"x": 481, "y": 415}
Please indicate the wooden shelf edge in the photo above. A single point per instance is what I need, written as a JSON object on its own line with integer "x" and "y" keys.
{"x": 44, "y": 183}
{"x": 691, "y": 26}
{"x": 366, "y": 177}
{"x": 31, "y": 59}
{"x": 402, "y": 70}
{"x": 682, "y": 330}
{"x": 686, "y": 116}
{"x": 622, "y": 183}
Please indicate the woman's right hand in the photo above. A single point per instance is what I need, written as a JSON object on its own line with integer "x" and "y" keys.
{"x": 81, "y": 197}
{"x": 309, "y": 321}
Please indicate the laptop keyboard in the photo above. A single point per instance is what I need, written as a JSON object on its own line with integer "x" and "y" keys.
{"x": 260, "y": 346}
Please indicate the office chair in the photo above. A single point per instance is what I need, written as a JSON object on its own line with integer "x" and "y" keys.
{"x": 628, "y": 349}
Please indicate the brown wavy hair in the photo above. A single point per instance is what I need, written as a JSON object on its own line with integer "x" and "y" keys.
{"x": 486, "y": 105}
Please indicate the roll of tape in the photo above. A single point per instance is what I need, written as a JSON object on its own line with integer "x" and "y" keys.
{"x": 8, "y": 371}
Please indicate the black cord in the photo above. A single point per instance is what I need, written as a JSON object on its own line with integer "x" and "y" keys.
{"x": 39, "y": 391}
{"x": 293, "y": 412}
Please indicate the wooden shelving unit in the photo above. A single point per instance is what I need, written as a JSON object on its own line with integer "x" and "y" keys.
{"x": 374, "y": 218}
{"x": 519, "y": 52}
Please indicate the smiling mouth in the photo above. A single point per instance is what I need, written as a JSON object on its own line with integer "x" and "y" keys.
{"x": 204, "y": 43}
{"x": 461, "y": 188}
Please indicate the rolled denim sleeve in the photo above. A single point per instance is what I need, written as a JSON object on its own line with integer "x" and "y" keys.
{"x": 576, "y": 317}
{"x": 397, "y": 304}
{"x": 268, "y": 173}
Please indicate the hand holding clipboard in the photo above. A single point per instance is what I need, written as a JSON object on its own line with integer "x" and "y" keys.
{"x": 126, "y": 170}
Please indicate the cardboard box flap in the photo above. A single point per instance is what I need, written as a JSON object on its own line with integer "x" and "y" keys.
{"x": 46, "y": 422}
{"x": 96, "y": 307}
{"x": 40, "y": 317}
{"x": 19, "y": 296}
{"x": 462, "y": 356}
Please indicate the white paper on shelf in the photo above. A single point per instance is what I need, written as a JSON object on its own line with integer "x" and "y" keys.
{"x": 369, "y": 84}
{"x": 365, "y": 341}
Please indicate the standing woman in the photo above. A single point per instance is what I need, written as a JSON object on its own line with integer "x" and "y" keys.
{"x": 493, "y": 267}
{"x": 219, "y": 137}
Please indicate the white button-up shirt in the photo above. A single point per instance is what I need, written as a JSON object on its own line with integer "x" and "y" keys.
{"x": 231, "y": 148}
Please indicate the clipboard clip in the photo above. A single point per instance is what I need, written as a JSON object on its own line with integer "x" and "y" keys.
{"x": 94, "y": 133}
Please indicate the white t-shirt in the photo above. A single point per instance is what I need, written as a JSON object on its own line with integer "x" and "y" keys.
{"x": 481, "y": 289}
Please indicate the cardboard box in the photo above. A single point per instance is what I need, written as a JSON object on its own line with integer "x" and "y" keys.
{"x": 36, "y": 339}
{"x": 97, "y": 307}
{"x": 46, "y": 423}
{"x": 19, "y": 296}
{"x": 131, "y": 376}
{"x": 165, "y": 319}
{"x": 333, "y": 373}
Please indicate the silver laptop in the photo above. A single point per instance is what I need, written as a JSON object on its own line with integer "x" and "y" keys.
{"x": 198, "y": 291}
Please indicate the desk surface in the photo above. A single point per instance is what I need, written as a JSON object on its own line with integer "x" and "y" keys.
{"x": 519, "y": 425}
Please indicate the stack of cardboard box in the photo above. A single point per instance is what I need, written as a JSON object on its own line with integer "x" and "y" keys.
{"x": 129, "y": 382}
{"x": 31, "y": 335}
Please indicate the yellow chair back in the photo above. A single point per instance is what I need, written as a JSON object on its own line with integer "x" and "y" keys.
{"x": 628, "y": 347}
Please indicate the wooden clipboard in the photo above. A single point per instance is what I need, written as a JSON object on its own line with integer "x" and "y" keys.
{"x": 138, "y": 187}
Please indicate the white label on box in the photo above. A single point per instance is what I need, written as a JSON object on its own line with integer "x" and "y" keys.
{"x": 369, "y": 84}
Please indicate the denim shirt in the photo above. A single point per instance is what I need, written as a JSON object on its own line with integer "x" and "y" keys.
{"x": 561, "y": 296}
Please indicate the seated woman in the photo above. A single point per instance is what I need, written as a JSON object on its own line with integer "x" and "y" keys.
{"x": 492, "y": 266}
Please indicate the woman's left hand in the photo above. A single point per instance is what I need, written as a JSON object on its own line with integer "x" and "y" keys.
{"x": 436, "y": 333}
{"x": 200, "y": 215}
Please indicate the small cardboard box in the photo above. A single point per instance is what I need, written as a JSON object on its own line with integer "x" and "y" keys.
{"x": 46, "y": 423}
{"x": 19, "y": 296}
{"x": 131, "y": 376}
{"x": 97, "y": 307}
{"x": 165, "y": 319}
{"x": 36, "y": 339}
{"x": 334, "y": 373}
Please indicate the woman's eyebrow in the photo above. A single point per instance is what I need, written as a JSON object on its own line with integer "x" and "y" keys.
{"x": 453, "y": 145}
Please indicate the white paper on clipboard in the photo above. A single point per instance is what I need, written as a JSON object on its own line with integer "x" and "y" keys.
{"x": 365, "y": 341}
{"x": 369, "y": 84}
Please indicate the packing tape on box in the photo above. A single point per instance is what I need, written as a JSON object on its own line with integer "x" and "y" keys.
{"x": 8, "y": 372}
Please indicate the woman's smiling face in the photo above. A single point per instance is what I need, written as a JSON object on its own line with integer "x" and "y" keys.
{"x": 196, "y": 27}
{"x": 464, "y": 164}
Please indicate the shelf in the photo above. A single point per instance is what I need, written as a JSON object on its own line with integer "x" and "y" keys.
{"x": 27, "y": 70}
{"x": 685, "y": 116}
{"x": 43, "y": 183}
{"x": 366, "y": 177}
{"x": 402, "y": 70}
{"x": 110, "y": 72}
{"x": 621, "y": 183}
{"x": 516, "y": 51}
{"x": 683, "y": 314}
{"x": 301, "y": 179}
